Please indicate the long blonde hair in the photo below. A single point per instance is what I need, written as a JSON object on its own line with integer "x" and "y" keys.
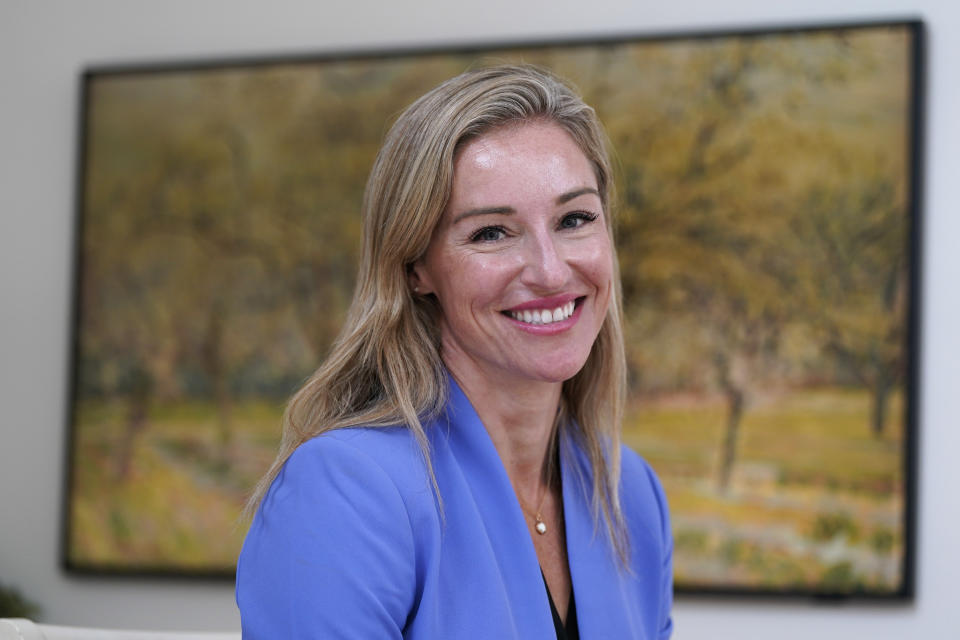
{"x": 385, "y": 368}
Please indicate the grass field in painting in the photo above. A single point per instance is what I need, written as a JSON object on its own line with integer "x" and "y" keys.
{"x": 815, "y": 499}
{"x": 178, "y": 508}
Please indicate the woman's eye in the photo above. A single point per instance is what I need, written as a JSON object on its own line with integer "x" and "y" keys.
{"x": 576, "y": 219}
{"x": 488, "y": 234}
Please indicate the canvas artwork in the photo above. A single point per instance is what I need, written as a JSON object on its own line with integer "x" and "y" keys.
{"x": 767, "y": 231}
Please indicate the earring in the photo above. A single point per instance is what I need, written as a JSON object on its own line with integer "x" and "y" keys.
{"x": 416, "y": 289}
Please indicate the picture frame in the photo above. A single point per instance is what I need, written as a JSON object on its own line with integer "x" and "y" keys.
{"x": 768, "y": 220}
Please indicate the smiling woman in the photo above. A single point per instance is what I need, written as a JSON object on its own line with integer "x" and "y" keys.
{"x": 448, "y": 471}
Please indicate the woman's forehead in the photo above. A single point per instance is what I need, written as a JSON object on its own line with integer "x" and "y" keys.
{"x": 517, "y": 162}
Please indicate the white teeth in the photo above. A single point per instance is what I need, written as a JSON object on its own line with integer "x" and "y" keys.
{"x": 545, "y": 316}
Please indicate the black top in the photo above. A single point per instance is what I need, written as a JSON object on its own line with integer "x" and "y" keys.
{"x": 570, "y": 630}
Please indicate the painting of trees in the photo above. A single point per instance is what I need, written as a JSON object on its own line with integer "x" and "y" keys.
{"x": 763, "y": 225}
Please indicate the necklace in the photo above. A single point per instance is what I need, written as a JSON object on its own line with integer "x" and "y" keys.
{"x": 540, "y": 525}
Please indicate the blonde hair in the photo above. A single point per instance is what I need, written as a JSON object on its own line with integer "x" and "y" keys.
{"x": 385, "y": 368}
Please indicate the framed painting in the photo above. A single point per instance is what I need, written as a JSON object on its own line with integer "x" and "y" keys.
{"x": 768, "y": 232}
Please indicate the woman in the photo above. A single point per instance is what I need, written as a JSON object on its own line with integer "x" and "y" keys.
{"x": 454, "y": 469}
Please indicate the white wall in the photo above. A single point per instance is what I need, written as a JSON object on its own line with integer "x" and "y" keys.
{"x": 45, "y": 43}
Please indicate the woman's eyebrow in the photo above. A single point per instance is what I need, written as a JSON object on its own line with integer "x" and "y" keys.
{"x": 570, "y": 195}
{"x": 561, "y": 199}
{"x": 483, "y": 211}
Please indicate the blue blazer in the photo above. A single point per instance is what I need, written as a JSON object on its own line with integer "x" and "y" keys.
{"x": 349, "y": 543}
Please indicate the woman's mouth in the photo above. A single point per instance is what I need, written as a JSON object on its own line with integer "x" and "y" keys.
{"x": 546, "y": 315}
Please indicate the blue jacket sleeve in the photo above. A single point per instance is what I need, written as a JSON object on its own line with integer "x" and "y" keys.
{"x": 666, "y": 575}
{"x": 649, "y": 515}
{"x": 330, "y": 553}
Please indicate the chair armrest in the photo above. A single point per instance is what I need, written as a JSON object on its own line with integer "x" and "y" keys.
{"x": 19, "y": 629}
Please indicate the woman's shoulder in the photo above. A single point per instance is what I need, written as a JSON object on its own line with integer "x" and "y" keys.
{"x": 376, "y": 445}
{"x": 637, "y": 472}
{"x": 642, "y": 494}
{"x": 362, "y": 456}
{"x": 338, "y": 536}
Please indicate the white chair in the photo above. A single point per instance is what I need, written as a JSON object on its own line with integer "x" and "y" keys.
{"x": 23, "y": 629}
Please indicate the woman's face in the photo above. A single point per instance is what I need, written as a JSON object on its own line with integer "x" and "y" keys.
{"x": 520, "y": 262}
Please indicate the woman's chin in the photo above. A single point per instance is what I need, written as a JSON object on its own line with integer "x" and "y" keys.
{"x": 558, "y": 372}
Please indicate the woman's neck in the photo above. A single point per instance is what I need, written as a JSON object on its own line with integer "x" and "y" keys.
{"x": 520, "y": 417}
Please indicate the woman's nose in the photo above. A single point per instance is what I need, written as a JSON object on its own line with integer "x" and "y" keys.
{"x": 545, "y": 265}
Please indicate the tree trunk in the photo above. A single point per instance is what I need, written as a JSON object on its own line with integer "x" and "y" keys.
{"x": 735, "y": 401}
{"x": 881, "y": 394}
{"x": 224, "y": 414}
{"x": 734, "y": 414}
{"x": 138, "y": 403}
{"x": 213, "y": 361}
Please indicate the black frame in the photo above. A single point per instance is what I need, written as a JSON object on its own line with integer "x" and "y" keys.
{"x": 915, "y": 200}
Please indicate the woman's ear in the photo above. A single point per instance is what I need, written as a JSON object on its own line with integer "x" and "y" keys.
{"x": 418, "y": 278}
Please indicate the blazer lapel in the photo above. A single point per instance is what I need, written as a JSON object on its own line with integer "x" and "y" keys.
{"x": 500, "y": 519}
